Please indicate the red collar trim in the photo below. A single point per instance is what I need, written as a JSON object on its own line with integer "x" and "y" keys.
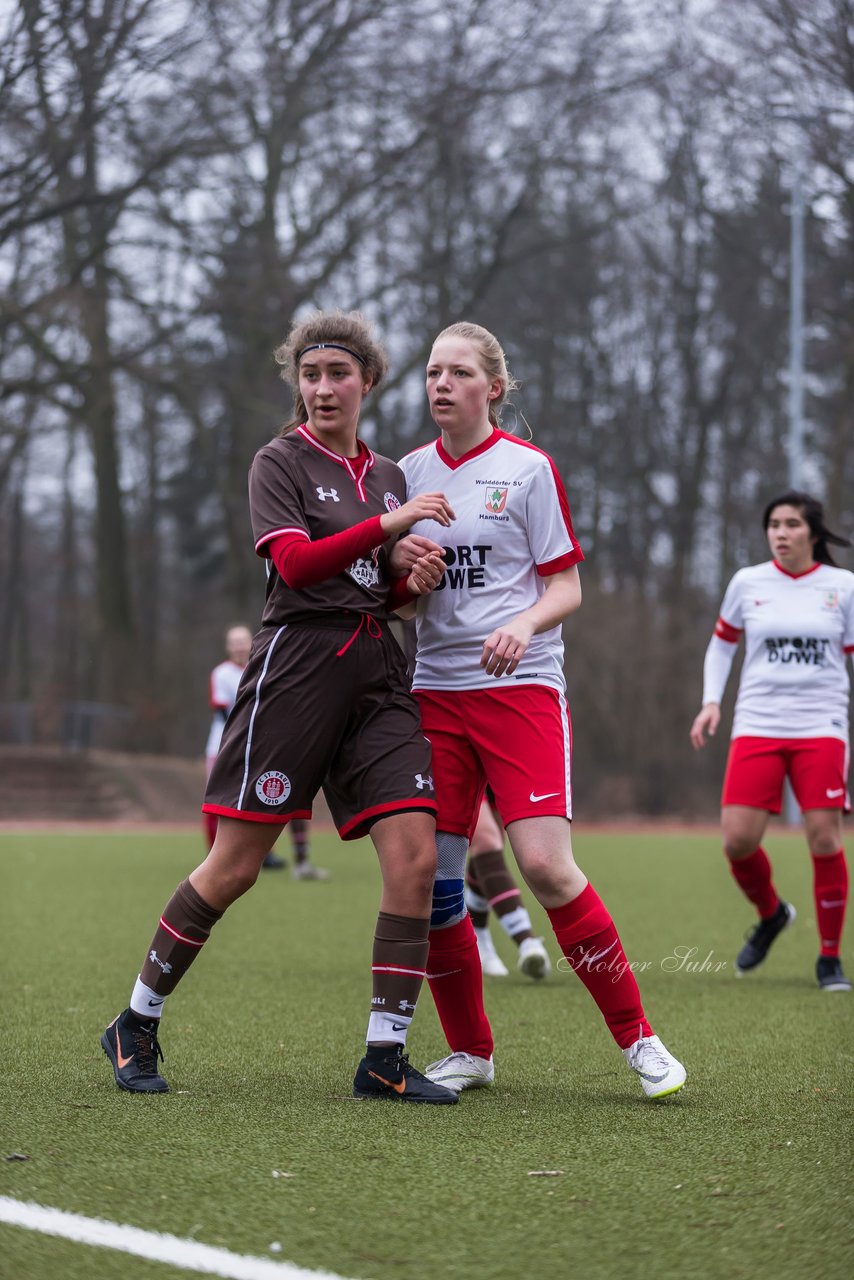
{"x": 453, "y": 463}
{"x": 363, "y": 462}
{"x": 811, "y": 569}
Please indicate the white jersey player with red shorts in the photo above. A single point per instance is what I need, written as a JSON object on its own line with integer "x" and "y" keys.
{"x": 224, "y": 682}
{"x": 796, "y": 614}
{"x": 223, "y": 685}
{"x": 512, "y": 530}
{"x": 792, "y": 708}
{"x": 490, "y": 685}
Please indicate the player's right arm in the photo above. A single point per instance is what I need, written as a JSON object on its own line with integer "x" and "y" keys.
{"x": 705, "y": 722}
{"x": 717, "y": 665}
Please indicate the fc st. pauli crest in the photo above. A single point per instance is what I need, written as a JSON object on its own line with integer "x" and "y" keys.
{"x": 365, "y": 571}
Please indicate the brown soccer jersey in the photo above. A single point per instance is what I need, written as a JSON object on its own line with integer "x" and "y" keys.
{"x": 325, "y": 699}
{"x": 297, "y": 485}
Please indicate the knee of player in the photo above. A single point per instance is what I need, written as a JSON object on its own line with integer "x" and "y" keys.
{"x": 825, "y": 842}
{"x": 448, "y": 906}
{"x": 414, "y": 868}
{"x": 738, "y": 846}
{"x": 238, "y": 878}
{"x": 540, "y": 868}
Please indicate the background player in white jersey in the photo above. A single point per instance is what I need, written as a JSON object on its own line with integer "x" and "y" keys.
{"x": 223, "y": 685}
{"x": 796, "y": 613}
{"x": 489, "y": 680}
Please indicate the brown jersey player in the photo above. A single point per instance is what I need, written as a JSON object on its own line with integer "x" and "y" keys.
{"x": 324, "y": 701}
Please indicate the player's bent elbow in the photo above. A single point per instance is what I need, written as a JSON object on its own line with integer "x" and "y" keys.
{"x": 571, "y": 598}
{"x": 564, "y": 589}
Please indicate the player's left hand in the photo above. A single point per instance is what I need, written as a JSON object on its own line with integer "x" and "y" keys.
{"x": 505, "y": 648}
{"x": 426, "y": 574}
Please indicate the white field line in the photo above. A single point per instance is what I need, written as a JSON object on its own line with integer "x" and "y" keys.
{"x": 186, "y": 1254}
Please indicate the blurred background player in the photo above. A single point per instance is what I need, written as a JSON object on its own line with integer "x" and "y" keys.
{"x": 224, "y": 682}
{"x": 796, "y": 613}
{"x": 490, "y": 887}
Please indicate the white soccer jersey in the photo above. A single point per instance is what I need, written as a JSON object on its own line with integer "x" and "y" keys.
{"x": 512, "y": 529}
{"x": 797, "y": 631}
{"x": 224, "y": 682}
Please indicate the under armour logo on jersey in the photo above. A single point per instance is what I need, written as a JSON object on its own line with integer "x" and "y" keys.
{"x": 421, "y": 782}
{"x": 323, "y": 494}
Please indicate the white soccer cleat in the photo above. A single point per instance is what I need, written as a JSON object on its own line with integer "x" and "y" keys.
{"x": 308, "y": 871}
{"x": 660, "y": 1073}
{"x": 490, "y": 961}
{"x": 534, "y": 960}
{"x": 462, "y": 1071}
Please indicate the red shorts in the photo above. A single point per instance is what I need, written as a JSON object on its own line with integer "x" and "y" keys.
{"x": 518, "y": 739}
{"x": 816, "y": 767}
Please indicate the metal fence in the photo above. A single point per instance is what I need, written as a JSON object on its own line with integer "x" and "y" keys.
{"x": 74, "y": 726}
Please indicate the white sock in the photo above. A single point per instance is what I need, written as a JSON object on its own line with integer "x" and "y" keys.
{"x": 515, "y": 921}
{"x": 145, "y": 1003}
{"x": 387, "y": 1026}
{"x": 475, "y": 901}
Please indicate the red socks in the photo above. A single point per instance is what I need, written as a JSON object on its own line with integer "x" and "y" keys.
{"x": 830, "y": 887}
{"x": 587, "y": 937}
{"x": 456, "y": 984}
{"x": 753, "y": 877}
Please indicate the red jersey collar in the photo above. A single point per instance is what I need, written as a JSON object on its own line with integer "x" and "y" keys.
{"x": 356, "y": 466}
{"x": 453, "y": 463}
{"x": 811, "y": 569}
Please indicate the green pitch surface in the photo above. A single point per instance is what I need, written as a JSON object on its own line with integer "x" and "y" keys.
{"x": 745, "y": 1174}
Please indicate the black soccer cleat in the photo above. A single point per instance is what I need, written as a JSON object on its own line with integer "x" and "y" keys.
{"x": 272, "y": 862}
{"x": 761, "y": 936}
{"x": 133, "y": 1049}
{"x": 386, "y": 1072}
{"x": 829, "y": 975}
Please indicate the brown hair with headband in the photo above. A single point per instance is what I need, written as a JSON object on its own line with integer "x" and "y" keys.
{"x": 342, "y": 330}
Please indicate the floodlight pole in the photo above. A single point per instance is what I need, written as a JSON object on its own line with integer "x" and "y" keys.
{"x": 795, "y": 443}
{"x": 795, "y": 440}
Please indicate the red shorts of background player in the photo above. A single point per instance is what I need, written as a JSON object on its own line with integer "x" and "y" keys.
{"x": 518, "y": 738}
{"x": 817, "y": 769}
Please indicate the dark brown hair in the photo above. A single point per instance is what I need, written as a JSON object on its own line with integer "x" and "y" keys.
{"x": 813, "y": 512}
{"x": 347, "y": 329}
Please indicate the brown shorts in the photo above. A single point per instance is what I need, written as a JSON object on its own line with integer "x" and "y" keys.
{"x": 313, "y": 711}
